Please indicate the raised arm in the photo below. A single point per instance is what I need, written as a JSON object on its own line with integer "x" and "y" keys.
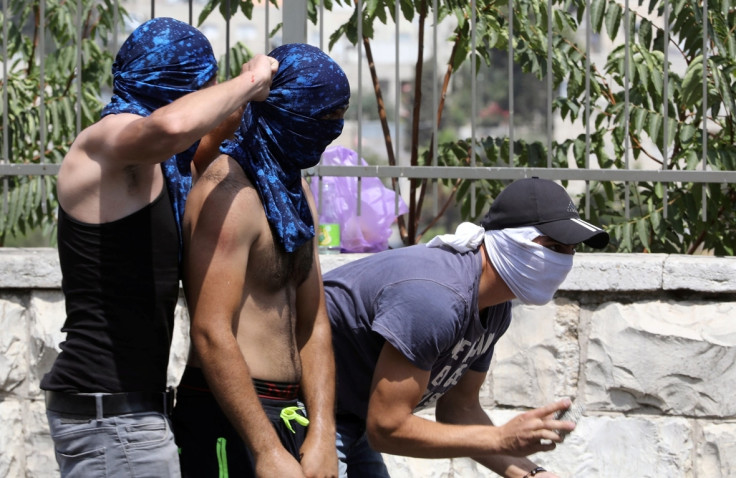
{"x": 175, "y": 127}
{"x": 219, "y": 238}
{"x": 314, "y": 338}
{"x": 392, "y": 427}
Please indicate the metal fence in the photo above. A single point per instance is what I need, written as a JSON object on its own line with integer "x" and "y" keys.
{"x": 297, "y": 27}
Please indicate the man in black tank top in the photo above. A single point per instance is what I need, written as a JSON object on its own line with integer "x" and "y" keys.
{"x": 121, "y": 190}
{"x": 260, "y": 334}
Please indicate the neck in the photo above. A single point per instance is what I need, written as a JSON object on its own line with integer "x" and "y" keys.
{"x": 492, "y": 290}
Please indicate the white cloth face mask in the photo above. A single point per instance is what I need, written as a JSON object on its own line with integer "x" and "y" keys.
{"x": 532, "y": 271}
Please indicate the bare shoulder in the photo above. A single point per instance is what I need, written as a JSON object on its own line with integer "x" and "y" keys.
{"x": 222, "y": 179}
{"x": 101, "y": 140}
{"x": 224, "y": 198}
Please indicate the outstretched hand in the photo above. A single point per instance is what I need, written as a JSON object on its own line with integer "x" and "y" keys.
{"x": 259, "y": 72}
{"x": 535, "y": 431}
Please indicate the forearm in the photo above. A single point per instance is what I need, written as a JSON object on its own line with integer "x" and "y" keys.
{"x": 503, "y": 465}
{"x": 190, "y": 117}
{"x": 318, "y": 381}
{"x": 421, "y": 438}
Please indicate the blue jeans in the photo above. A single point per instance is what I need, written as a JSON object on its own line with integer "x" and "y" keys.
{"x": 356, "y": 457}
{"x": 135, "y": 445}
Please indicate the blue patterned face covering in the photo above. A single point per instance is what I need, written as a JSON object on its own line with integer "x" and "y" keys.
{"x": 161, "y": 61}
{"x": 284, "y": 134}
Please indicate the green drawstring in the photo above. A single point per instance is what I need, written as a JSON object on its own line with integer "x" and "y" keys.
{"x": 289, "y": 413}
{"x": 222, "y": 457}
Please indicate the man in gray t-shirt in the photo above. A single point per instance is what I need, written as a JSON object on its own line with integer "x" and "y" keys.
{"x": 417, "y": 326}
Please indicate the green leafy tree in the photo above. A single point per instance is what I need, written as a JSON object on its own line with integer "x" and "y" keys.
{"x": 31, "y": 200}
{"x": 684, "y": 230}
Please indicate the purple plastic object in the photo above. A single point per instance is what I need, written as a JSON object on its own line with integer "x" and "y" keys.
{"x": 370, "y": 231}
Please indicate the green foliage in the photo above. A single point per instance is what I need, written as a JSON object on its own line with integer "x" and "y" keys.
{"x": 229, "y": 8}
{"x": 31, "y": 200}
{"x": 656, "y": 217}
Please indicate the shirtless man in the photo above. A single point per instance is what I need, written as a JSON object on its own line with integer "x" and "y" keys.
{"x": 260, "y": 334}
{"x": 119, "y": 188}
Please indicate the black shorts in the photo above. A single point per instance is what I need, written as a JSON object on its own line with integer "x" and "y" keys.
{"x": 209, "y": 446}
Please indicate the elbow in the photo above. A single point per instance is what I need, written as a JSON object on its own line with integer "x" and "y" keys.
{"x": 173, "y": 132}
{"x": 380, "y": 433}
{"x": 203, "y": 341}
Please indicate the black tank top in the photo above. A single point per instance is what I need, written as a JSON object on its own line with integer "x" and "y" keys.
{"x": 121, "y": 285}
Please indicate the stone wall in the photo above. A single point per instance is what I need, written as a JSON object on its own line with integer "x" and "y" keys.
{"x": 646, "y": 342}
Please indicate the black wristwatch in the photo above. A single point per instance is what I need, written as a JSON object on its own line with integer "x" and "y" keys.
{"x": 536, "y": 470}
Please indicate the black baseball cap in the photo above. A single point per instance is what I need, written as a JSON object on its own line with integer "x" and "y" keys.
{"x": 545, "y": 205}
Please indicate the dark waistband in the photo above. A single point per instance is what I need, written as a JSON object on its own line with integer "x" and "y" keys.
{"x": 193, "y": 379}
{"x": 103, "y": 405}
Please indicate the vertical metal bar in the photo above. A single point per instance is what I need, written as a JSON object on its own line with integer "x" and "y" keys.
{"x": 42, "y": 78}
{"x": 665, "y": 104}
{"x": 78, "y": 79}
{"x": 705, "y": 103}
{"x": 550, "y": 77}
{"x": 627, "y": 102}
{"x": 153, "y": 9}
{"x": 115, "y": 19}
{"x": 227, "y": 41}
{"x": 588, "y": 36}
{"x": 42, "y": 95}
{"x": 359, "y": 18}
{"x": 295, "y": 22}
{"x": 473, "y": 95}
{"x": 397, "y": 105}
{"x": 5, "y": 155}
{"x": 435, "y": 106}
{"x": 359, "y": 199}
{"x": 511, "y": 82}
{"x": 397, "y": 82}
{"x": 267, "y": 27}
{"x": 322, "y": 25}
{"x": 320, "y": 202}
{"x": 191, "y": 11}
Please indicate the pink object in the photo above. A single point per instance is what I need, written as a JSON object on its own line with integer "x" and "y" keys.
{"x": 369, "y": 231}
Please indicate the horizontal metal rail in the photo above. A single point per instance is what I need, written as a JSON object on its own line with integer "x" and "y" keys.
{"x": 460, "y": 172}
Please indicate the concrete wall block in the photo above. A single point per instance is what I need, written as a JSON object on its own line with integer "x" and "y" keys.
{"x": 537, "y": 360}
{"x": 716, "y": 454}
{"x": 679, "y": 358}
{"x": 698, "y": 273}
{"x": 14, "y": 367}
{"x": 618, "y": 446}
{"x": 405, "y": 467}
{"x": 12, "y": 452}
{"x": 615, "y": 272}
{"x": 40, "y": 457}
{"x": 29, "y": 267}
{"x": 47, "y": 315}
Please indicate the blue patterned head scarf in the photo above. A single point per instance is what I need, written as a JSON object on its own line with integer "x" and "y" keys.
{"x": 161, "y": 61}
{"x": 285, "y": 134}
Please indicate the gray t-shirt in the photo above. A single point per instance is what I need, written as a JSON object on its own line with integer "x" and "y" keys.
{"x": 424, "y": 302}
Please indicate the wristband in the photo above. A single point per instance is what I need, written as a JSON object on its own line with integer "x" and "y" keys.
{"x": 536, "y": 470}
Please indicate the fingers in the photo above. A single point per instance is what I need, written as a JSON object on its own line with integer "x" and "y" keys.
{"x": 550, "y": 409}
{"x": 549, "y": 427}
{"x": 259, "y": 72}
